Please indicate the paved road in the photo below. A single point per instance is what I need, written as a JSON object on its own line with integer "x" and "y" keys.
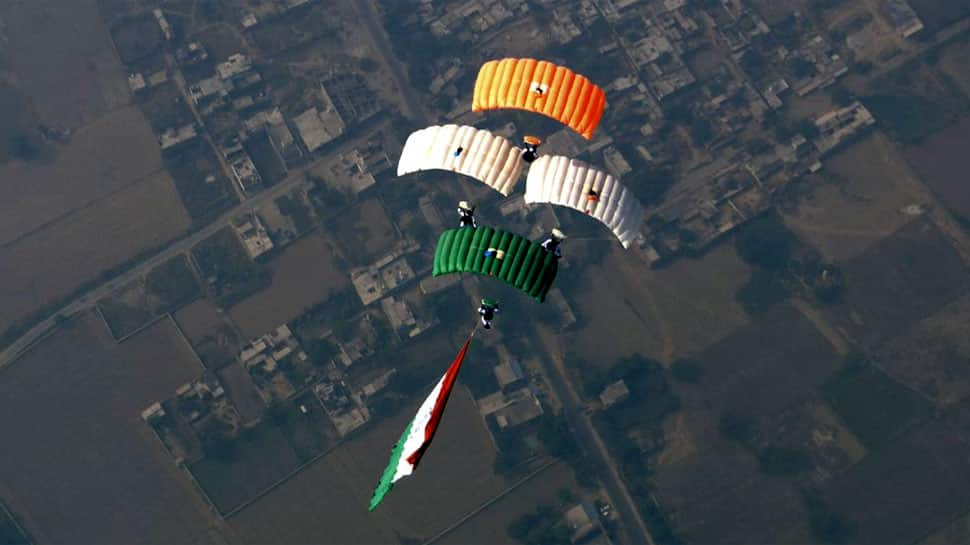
{"x": 90, "y": 298}
{"x": 572, "y": 406}
{"x": 589, "y": 440}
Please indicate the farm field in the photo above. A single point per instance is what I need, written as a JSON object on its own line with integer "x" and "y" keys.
{"x": 365, "y": 232}
{"x": 678, "y": 309}
{"x": 953, "y": 63}
{"x": 100, "y": 161}
{"x": 490, "y": 525}
{"x": 942, "y": 163}
{"x": 85, "y": 456}
{"x": 937, "y": 14}
{"x": 304, "y": 274}
{"x": 898, "y": 282}
{"x": 932, "y": 356}
{"x": 908, "y": 490}
{"x": 55, "y": 45}
{"x": 782, "y": 357}
{"x": 210, "y": 332}
{"x": 53, "y": 262}
{"x": 858, "y": 199}
{"x": 327, "y": 501}
{"x": 242, "y": 391}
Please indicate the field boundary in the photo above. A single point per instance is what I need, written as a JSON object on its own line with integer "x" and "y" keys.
{"x": 489, "y": 502}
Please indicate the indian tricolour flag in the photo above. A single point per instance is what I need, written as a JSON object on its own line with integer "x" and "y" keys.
{"x": 417, "y": 436}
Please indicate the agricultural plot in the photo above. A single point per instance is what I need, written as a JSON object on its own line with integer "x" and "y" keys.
{"x": 53, "y": 46}
{"x": 212, "y": 335}
{"x": 896, "y": 283}
{"x": 491, "y": 524}
{"x": 239, "y": 385}
{"x": 260, "y": 456}
{"x": 327, "y": 501}
{"x": 937, "y": 14}
{"x": 161, "y": 291}
{"x": 200, "y": 181}
{"x": 932, "y": 356}
{"x": 781, "y": 356}
{"x": 99, "y": 161}
{"x": 51, "y": 263}
{"x": 681, "y": 309}
{"x": 227, "y": 270}
{"x": 83, "y": 455}
{"x": 907, "y": 490}
{"x": 872, "y": 405}
{"x": 305, "y": 274}
{"x": 365, "y": 232}
{"x": 942, "y": 163}
{"x": 860, "y": 198}
{"x": 952, "y": 62}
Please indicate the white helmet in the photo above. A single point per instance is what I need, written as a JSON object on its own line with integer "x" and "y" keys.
{"x": 558, "y": 234}
{"x": 465, "y": 205}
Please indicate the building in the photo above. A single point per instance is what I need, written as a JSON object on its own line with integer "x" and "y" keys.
{"x": 267, "y": 358}
{"x": 614, "y": 393}
{"x": 582, "y": 520}
{"x": 837, "y": 126}
{"x": 163, "y": 24}
{"x": 236, "y": 64}
{"x": 318, "y": 127}
{"x": 383, "y": 276}
{"x": 902, "y": 17}
{"x": 254, "y": 236}
{"x": 509, "y": 373}
{"x": 512, "y": 408}
{"x": 173, "y": 137}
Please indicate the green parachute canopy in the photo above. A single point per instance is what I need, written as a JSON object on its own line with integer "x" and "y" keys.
{"x": 511, "y": 258}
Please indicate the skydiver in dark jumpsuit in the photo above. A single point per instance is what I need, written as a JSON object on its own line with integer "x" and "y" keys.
{"x": 552, "y": 244}
{"x": 466, "y": 215}
{"x": 488, "y": 310}
{"x": 531, "y": 150}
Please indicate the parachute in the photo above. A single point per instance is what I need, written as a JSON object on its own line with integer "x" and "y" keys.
{"x": 540, "y": 87}
{"x": 511, "y": 258}
{"x": 476, "y": 153}
{"x": 563, "y": 181}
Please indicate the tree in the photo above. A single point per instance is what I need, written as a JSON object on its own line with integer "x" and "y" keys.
{"x": 842, "y": 96}
{"x": 369, "y": 65}
{"x": 688, "y": 371}
{"x": 736, "y": 427}
{"x": 808, "y": 129}
{"x": 765, "y": 243}
{"x": 782, "y": 461}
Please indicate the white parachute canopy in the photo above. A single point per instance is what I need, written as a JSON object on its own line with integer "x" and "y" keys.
{"x": 477, "y": 153}
{"x": 562, "y": 181}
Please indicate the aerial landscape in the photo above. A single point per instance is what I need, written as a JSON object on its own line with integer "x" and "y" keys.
{"x": 646, "y": 271}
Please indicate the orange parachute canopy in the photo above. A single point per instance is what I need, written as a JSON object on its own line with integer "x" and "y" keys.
{"x": 540, "y": 87}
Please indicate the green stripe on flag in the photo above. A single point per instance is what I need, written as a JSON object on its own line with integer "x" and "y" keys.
{"x": 387, "y": 479}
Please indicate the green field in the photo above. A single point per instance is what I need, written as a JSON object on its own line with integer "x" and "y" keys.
{"x": 872, "y": 405}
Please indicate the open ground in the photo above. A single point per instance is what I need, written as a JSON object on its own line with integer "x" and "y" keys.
{"x": 102, "y": 158}
{"x": 52, "y": 262}
{"x": 327, "y": 502}
{"x": 942, "y": 162}
{"x": 304, "y": 274}
{"x": 56, "y": 46}
{"x": 860, "y": 198}
{"x": 84, "y": 465}
{"x": 675, "y": 310}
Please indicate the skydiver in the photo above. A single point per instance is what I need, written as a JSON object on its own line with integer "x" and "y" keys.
{"x": 458, "y": 151}
{"x": 538, "y": 90}
{"x": 488, "y": 310}
{"x": 591, "y": 197}
{"x": 552, "y": 243}
{"x": 531, "y": 150}
{"x": 466, "y": 215}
